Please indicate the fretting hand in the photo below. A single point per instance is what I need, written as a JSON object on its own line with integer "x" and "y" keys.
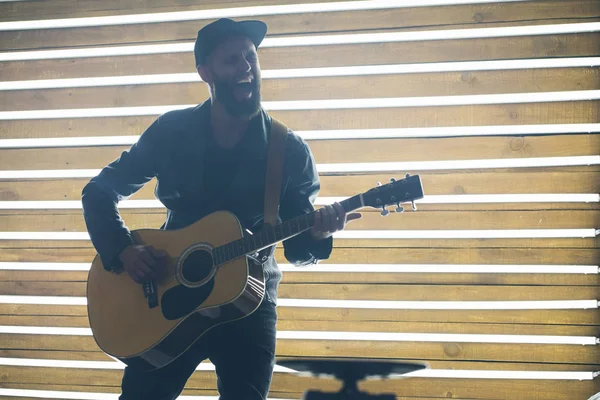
{"x": 330, "y": 219}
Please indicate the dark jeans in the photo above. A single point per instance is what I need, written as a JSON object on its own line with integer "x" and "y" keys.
{"x": 242, "y": 351}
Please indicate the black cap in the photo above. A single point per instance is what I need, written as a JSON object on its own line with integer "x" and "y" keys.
{"x": 212, "y": 34}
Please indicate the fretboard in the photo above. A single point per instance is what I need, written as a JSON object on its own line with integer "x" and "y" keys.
{"x": 270, "y": 235}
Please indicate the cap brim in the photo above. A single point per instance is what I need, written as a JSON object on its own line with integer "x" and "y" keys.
{"x": 255, "y": 30}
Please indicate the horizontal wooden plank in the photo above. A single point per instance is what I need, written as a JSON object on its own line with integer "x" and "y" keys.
{"x": 343, "y": 151}
{"x": 289, "y": 384}
{"x": 409, "y": 117}
{"x": 575, "y": 354}
{"x": 549, "y": 317}
{"x": 568, "y": 45}
{"x": 446, "y": 17}
{"x": 498, "y": 181}
{"x": 432, "y": 364}
{"x": 353, "y": 255}
{"x": 355, "y": 326}
{"x": 13, "y": 11}
{"x": 298, "y": 276}
{"x": 564, "y": 243}
{"x": 321, "y": 88}
{"x": 72, "y": 221}
{"x": 349, "y": 291}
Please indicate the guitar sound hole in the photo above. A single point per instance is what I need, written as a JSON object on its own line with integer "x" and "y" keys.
{"x": 197, "y": 266}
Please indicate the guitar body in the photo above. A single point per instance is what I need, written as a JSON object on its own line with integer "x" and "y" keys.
{"x": 194, "y": 297}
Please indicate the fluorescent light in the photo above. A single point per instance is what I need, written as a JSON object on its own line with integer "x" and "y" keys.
{"x": 365, "y": 268}
{"x": 230, "y": 13}
{"x": 370, "y": 234}
{"x": 454, "y": 164}
{"x": 358, "y": 167}
{"x": 474, "y": 374}
{"x": 49, "y": 174}
{"x": 466, "y": 234}
{"x": 51, "y": 300}
{"x": 313, "y": 40}
{"x": 361, "y": 304}
{"x": 310, "y": 72}
{"x": 460, "y": 131}
{"x": 396, "y": 102}
{"x": 435, "y": 337}
{"x": 44, "y": 266}
{"x": 440, "y": 305}
{"x": 354, "y": 336}
{"x": 430, "y": 199}
{"x": 436, "y": 268}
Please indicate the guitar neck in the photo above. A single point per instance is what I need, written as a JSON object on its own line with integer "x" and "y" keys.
{"x": 270, "y": 235}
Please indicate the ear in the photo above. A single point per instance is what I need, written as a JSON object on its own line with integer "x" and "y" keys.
{"x": 204, "y": 73}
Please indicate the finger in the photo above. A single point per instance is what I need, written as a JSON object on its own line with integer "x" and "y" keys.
{"x": 156, "y": 253}
{"x": 353, "y": 216}
{"x": 144, "y": 271}
{"x": 148, "y": 259}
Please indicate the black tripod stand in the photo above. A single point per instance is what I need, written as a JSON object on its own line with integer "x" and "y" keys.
{"x": 349, "y": 372}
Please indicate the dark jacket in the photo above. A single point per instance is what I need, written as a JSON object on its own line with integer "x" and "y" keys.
{"x": 172, "y": 149}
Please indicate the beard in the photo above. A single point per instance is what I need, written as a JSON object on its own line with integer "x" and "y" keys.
{"x": 224, "y": 93}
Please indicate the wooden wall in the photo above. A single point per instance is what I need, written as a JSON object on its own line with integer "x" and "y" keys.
{"x": 49, "y": 362}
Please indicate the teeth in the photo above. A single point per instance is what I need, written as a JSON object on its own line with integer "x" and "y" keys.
{"x": 247, "y": 80}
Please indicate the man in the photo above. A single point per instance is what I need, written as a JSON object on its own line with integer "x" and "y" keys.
{"x": 208, "y": 158}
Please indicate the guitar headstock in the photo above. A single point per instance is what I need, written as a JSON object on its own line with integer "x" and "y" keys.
{"x": 405, "y": 190}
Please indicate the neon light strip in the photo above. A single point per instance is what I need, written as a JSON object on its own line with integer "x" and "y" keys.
{"x": 316, "y": 40}
{"x": 359, "y": 167}
{"x": 360, "y": 304}
{"x": 310, "y": 72}
{"x": 429, "y": 101}
{"x": 231, "y": 13}
{"x": 364, "y": 268}
{"x": 371, "y": 234}
{"x": 355, "y": 336}
{"x": 459, "y": 131}
{"x": 431, "y": 199}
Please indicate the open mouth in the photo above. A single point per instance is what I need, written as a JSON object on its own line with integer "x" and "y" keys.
{"x": 244, "y": 88}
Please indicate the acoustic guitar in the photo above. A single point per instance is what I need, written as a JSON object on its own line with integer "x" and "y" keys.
{"x": 211, "y": 280}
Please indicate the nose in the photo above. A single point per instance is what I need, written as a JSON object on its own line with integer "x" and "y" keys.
{"x": 244, "y": 65}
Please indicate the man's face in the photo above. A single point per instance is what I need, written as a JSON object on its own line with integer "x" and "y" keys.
{"x": 233, "y": 72}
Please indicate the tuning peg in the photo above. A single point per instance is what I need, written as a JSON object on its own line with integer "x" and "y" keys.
{"x": 407, "y": 176}
{"x": 414, "y": 206}
{"x": 399, "y": 209}
{"x": 392, "y": 179}
{"x": 384, "y": 211}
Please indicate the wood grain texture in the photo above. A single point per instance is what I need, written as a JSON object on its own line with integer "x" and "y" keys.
{"x": 72, "y": 221}
{"x": 342, "y": 151}
{"x": 408, "y": 117}
{"x": 346, "y": 291}
{"x": 550, "y": 317}
{"x": 353, "y": 255}
{"x": 322, "y": 88}
{"x": 419, "y": 18}
{"x": 568, "y": 45}
{"x": 573, "y": 354}
{"x": 497, "y": 181}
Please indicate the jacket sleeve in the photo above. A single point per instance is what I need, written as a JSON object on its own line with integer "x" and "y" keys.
{"x": 298, "y": 198}
{"x": 115, "y": 182}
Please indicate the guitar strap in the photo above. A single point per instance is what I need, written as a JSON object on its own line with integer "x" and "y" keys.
{"x": 275, "y": 157}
